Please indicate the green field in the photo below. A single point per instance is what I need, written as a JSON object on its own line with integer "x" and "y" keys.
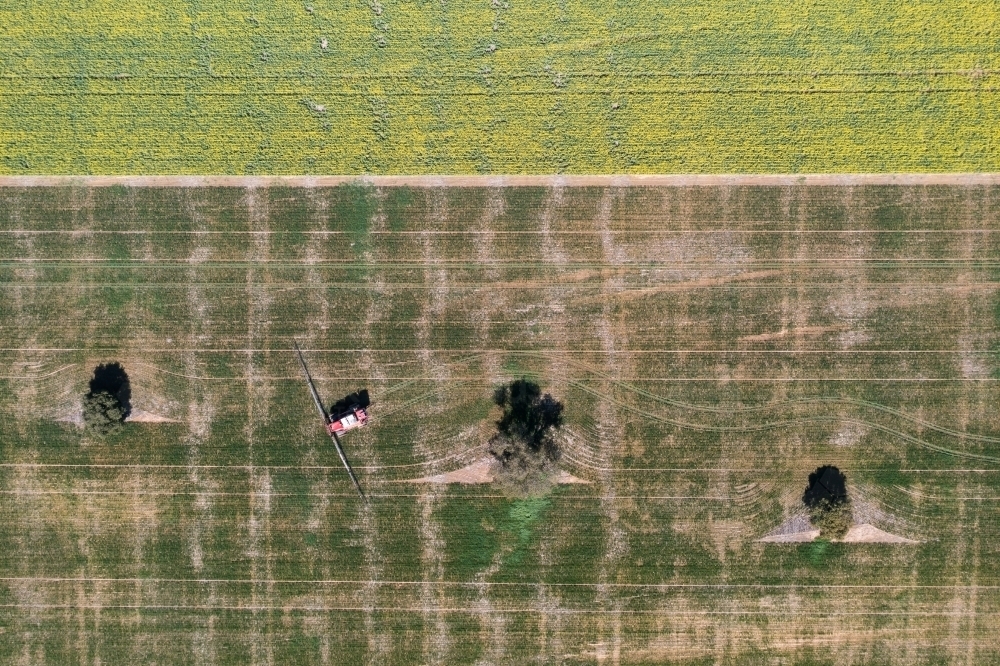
{"x": 498, "y": 86}
{"x": 712, "y": 346}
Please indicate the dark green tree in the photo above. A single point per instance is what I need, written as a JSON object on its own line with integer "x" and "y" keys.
{"x": 827, "y": 502}
{"x": 103, "y": 413}
{"x": 524, "y": 448}
{"x": 112, "y": 378}
{"x": 109, "y": 400}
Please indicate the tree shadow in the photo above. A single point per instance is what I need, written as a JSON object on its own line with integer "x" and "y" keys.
{"x": 527, "y": 414}
{"x": 358, "y": 399}
{"x": 827, "y": 484}
{"x": 112, "y": 379}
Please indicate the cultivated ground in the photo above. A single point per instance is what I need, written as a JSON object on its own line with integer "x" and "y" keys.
{"x": 498, "y": 86}
{"x": 712, "y": 345}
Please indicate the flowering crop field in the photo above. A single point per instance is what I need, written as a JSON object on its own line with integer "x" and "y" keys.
{"x": 712, "y": 345}
{"x": 498, "y": 86}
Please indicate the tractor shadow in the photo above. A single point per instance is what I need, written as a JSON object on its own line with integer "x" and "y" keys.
{"x": 347, "y": 403}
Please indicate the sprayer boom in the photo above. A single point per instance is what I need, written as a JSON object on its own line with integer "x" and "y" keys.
{"x": 326, "y": 422}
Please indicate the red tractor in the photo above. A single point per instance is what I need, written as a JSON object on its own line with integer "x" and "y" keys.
{"x": 355, "y": 418}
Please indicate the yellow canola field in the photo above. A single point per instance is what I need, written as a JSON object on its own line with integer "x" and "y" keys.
{"x": 498, "y": 86}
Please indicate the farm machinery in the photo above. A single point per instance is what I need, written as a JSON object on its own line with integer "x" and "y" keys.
{"x": 347, "y": 418}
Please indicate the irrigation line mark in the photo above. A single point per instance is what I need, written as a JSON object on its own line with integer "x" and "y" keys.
{"x": 679, "y": 74}
{"x": 44, "y": 376}
{"x": 498, "y": 350}
{"x": 486, "y": 611}
{"x": 448, "y": 90}
{"x": 776, "y": 263}
{"x": 501, "y": 232}
{"x": 195, "y": 493}
{"x": 624, "y": 470}
{"x": 472, "y": 286}
{"x": 476, "y": 584}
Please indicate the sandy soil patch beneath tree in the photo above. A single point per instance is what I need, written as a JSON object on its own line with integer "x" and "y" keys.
{"x": 870, "y": 534}
{"x": 481, "y": 472}
{"x": 791, "y": 531}
{"x": 142, "y": 416}
{"x": 137, "y": 416}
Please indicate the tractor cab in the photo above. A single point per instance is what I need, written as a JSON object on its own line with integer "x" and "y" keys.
{"x": 354, "y": 418}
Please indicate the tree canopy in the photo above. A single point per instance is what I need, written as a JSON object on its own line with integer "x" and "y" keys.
{"x": 111, "y": 378}
{"x": 109, "y": 401}
{"x": 103, "y": 414}
{"x": 524, "y": 447}
{"x": 527, "y": 414}
{"x": 826, "y": 499}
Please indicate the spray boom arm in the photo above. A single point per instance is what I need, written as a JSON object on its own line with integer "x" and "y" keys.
{"x": 326, "y": 422}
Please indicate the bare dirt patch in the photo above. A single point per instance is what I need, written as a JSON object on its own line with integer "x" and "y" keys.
{"x": 481, "y": 471}
{"x": 75, "y": 417}
{"x": 794, "y": 537}
{"x": 871, "y": 534}
{"x": 141, "y": 416}
{"x": 790, "y": 333}
{"x": 632, "y": 294}
{"x": 136, "y": 416}
{"x": 477, "y": 472}
{"x": 565, "y": 478}
{"x": 798, "y": 530}
{"x": 791, "y": 530}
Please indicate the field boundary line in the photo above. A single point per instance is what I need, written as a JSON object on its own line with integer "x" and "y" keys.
{"x": 498, "y": 181}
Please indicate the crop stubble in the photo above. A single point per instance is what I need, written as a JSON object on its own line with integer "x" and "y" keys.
{"x": 712, "y": 345}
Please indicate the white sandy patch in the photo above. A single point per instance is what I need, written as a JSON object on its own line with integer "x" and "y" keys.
{"x": 870, "y": 534}
{"x": 564, "y": 477}
{"x": 141, "y": 416}
{"x": 481, "y": 471}
{"x": 75, "y": 417}
{"x": 849, "y": 435}
{"x": 853, "y": 339}
{"x": 794, "y": 537}
{"x": 794, "y": 530}
{"x": 136, "y": 416}
{"x": 683, "y": 285}
{"x": 790, "y": 333}
{"x": 972, "y": 365}
{"x": 864, "y": 533}
{"x": 850, "y": 307}
{"x": 477, "y": 472}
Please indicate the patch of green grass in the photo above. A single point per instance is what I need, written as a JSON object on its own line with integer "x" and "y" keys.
{"x": 398, "y": 207}
{"x": 524, "y": 514}
{"x": 351, "y": 212}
